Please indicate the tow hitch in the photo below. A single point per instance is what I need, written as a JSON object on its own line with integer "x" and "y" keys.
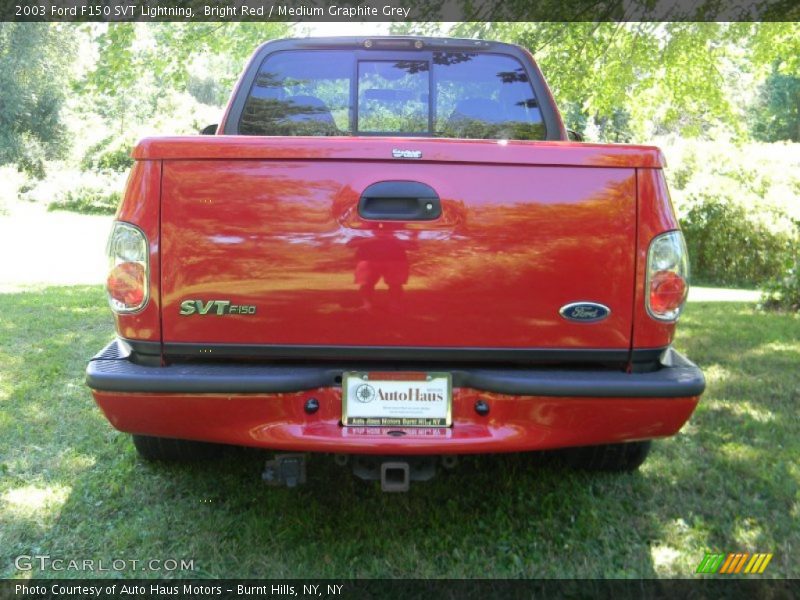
{"x": 394, "y": 472}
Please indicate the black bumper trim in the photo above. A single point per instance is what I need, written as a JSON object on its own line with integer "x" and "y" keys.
{"x": 143, "y": 348}
{"x": 182, "y": 350}
{"x": 113, "y": 370}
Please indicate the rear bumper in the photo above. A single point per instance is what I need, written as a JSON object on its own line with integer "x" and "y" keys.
{"x": 263, "y": 406}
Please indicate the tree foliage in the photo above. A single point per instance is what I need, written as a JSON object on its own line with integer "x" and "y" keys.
{"x": 776, "y": 114}
{"x": 34, "y": 75}
{"x": 617, "y": 81}
{"x": 127, "y": 52}
{"x": 134, "y": 62}
{"x": 636, "y": 80}
{"x": 771, "y": 43}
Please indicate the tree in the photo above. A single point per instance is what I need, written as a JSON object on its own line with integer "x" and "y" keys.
{"x": 34, "y": 77}
{"x": 660, "y": 76}
{"x": 635, "y": 80}
{"x": 776, "y": 113}
{"x": 138, "y": 67}
{"x": 163, "y": 52}
{"x": 775, "y": 47}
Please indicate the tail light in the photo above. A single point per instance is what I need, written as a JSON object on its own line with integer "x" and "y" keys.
{"x": 129, "y": 273}
{"x": 667, "y": 276}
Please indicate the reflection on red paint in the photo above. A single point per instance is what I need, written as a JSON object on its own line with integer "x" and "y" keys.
{"x": 278, "y": 421}
{"x": 513, "y": 245}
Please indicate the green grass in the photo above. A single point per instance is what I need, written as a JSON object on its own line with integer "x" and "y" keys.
{"x": 72, "y": 487}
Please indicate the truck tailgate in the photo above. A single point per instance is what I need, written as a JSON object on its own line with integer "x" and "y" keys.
{"x": 281, "y": 230}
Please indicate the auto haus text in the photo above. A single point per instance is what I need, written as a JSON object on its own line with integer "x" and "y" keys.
{"x": 414, "y": 394}
{"x": 119, "y": 589}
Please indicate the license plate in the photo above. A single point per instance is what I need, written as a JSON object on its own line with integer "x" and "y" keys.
{"x": 397, "y": 399}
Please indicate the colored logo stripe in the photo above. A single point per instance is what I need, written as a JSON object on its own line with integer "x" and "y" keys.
{"x": 758, "y": 563}
{"x": 734, "y": 562}
{"x": 710, "y": 563}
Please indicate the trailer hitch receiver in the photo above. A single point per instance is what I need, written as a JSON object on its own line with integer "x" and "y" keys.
{"x": 285, "y": 469}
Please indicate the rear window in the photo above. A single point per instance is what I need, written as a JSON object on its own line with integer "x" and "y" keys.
{"x": 299, "y": 93}
{"x": 393, "y": 96}
{"x": 441, "y": 94}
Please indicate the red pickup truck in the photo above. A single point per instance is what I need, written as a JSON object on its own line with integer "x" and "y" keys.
{"x": 389, "y": 248}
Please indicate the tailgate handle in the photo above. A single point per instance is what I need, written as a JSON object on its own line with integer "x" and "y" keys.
{"x": 399, "y": 201}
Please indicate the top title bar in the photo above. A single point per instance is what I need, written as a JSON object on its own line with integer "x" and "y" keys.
{"x": 398, "y": 11}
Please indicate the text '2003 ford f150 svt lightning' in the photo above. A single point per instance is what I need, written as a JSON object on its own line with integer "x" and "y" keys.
{"x": 390, "y": 249}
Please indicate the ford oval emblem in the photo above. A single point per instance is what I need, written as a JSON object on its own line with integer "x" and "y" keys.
{"x": 584, "y": 312}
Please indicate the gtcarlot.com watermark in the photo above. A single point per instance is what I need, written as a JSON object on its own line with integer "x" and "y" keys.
{"x": 45, "y": 562}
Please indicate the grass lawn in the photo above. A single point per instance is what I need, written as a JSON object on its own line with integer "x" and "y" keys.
{"x": 72, "y": 487}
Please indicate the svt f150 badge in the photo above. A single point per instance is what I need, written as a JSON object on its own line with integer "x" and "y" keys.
{"x": 215, "y": 307}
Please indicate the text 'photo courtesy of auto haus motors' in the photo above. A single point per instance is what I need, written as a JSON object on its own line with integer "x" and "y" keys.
{"x": 170, "y": 589}
{"x": 389, "y": 248}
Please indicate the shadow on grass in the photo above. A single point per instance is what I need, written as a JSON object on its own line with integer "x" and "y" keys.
{"x": 74, "y": 488}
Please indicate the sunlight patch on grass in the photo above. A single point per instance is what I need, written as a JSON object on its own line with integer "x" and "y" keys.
{"x": 35, "y": 414}
{"x": 664, "y": 559}
{"x": 745, "y": 408}
{"x": 74, "y": 462}
{"x": 681, "y": 545}
{"x": 10, "y": 365}
{"x": 741, "y": 451}
{"x": 716, "y": 374}
{"x": 747, "y": 532}
{"x": 34, "y": 502}
{"x": 771, "y": 348}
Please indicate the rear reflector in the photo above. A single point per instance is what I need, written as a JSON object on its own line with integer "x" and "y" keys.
{"x": 127, "y": 283}
{"x": 667, "y": 276}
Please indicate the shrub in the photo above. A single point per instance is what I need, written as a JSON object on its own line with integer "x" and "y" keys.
{"x": 750, "y": 180}
{"x": 88, "y": 200}
{"x": 731, "y": 245}
{"x": 109, "y": 154}
{"x": 25, "y": 187}
{"x": 681, "y": 176}
{"x": 783, "y": 293}
{"x": 207, "y": 90}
